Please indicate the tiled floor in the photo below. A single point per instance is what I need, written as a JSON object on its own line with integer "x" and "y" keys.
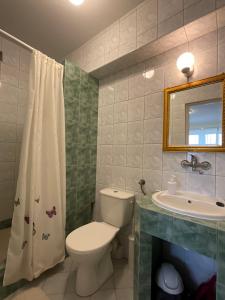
{"x": 58, "y": 284}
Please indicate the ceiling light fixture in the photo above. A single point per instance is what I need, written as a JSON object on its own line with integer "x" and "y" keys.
{"x": 185, "y": 63}
{"x": 77, "y": 2}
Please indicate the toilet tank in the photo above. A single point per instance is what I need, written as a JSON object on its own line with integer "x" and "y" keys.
{"x": 116, "y": 206}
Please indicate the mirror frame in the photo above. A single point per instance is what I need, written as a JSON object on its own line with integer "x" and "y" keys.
{"x": 166, "y": 116}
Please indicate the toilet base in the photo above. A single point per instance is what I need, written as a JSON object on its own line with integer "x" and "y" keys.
{"x": 90, "y": 278}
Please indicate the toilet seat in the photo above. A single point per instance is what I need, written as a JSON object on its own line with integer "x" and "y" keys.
{"x": 90, "y": 237}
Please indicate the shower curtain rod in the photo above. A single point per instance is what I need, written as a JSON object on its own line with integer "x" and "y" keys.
{"x": 16, "y": 40}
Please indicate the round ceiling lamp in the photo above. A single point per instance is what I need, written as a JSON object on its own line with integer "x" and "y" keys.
{"x": 77, "y": 2}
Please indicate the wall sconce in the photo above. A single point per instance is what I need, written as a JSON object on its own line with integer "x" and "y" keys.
{"x": 77, "y": 2}
{"x": 185, "y": 63}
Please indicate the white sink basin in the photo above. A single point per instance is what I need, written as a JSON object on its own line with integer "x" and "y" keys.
{"x": 191, "y": 204}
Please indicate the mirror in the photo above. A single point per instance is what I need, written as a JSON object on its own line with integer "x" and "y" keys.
{"x": 194, "y": 116}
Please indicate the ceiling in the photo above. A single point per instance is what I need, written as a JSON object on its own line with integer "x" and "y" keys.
{"x": 56, "y": 27}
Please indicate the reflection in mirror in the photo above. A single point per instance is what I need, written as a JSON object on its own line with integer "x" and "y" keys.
{"x": 196, "y": 116}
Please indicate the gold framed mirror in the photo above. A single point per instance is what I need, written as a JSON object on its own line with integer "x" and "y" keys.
{"x": 194, "y": 116}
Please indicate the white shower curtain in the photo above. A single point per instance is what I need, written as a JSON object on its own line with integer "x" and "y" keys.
{"x": 37, "y": 240}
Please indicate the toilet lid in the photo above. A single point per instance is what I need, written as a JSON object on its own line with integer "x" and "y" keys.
{"x": 91, "y": 237}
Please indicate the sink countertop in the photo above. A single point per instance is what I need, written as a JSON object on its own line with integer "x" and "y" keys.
{"x": 146, "y": 203}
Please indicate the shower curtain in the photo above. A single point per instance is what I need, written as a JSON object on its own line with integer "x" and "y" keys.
{"x": 37, "y": 240}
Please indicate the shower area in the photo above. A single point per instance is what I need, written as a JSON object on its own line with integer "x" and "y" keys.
{"x": 81, "y": 115}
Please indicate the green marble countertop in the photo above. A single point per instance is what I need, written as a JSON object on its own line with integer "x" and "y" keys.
{"x": 146, "y": 203}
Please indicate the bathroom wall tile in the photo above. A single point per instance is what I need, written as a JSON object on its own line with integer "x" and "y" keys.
{"x": 154, "y": 105}
{"x": 146, "y": 16}
{"x": 22, "y": 97}
{"x": 152, "y": 156}
{"x": 188, "y": 3}
{"x": 168, "y": 9}
{"x": 136, "y": 109}
{"x": 112, "y": 37}
{"x": 220, "y": 187}
{"x": 220, "y": 3}
{"x": 7, "y": 189}
{"x": 25, "y": 59}
{"x": 147, "y": 37}
{"x": 7, "y": 152}
{"x": 8, "y": 94}
{"x": 171, "y": 24}
{"x": 108, "y": 94}
{"x": 220, "y": 162}
{"x": 198, "y": 10}
{"x": 111, "y": 56}
{"x": 118, "y": 177}
{"x": 221, "y": 50}
{"x": 135, "y": 132}
{"x": 107, "y": 135}
{"x": 21, "y": 114}
{"x": 105, "y": 175}
{"x": 204, "y": 184}
{"x": 106, "y": 155}
{"x": 137, "y": 82}
{"x": 180, "y": 179}
{"x": 173, "y": 76}
{"x": 9, "y": 75}
{"x": 23, "y": 80}
{"x": 153, "y": 180}
{"x": 133, "y": 175}
{"x": 221, "y": 17}
{"x": 153, "y": 131}
{"x": 171, "y": 161}
{"x": 127, "y": 48}
{"x": 121, "y": 88}
{"x": 120, "y": 112}
{"x": 7, "y": 132}
{"x": 119, "y": 155}
{"x": 107, "y": 115}
{"x": 7, "y": 171}
{"x": 120, "y": 134}
{"x": 154, "y": 80}
{"x": 128, "y": 28}
{"x": 134, "y": 156}
{"x": 11, "y": 53}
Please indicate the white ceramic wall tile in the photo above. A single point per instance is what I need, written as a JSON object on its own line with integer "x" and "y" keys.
{"x": 128, "y": 28}
{"x": 154, "y": 80}
{"x": 221, "y": 17}
{"x": 7, "y": 152}
{"x": 119, "y": 155}
{"x": 7, "y": 132}
{"x": 169, "y": 8}
{"x": 153, "y": 131}
{"x": 171, "y": 24}
{"x": 7, "y": 199}
{"x": 180, "y": 179}
{"x": 120, "y": 112}
{"x": 154, "y": 106}
{"x": 147, "y": 37}
{"x": 119, "y": 177}
{"x": 108, "y": 94}
{"x": 120, "y": 134}
{"x": 135, "y": 133}
{"x": 107, "y": 115}
{"x": 133, "y": 175}
{"x": 188, "y": 3}
{"x": 112, "y": 37}
{"x": 171, "y": 161}
{"x": 220, "y": 3}
{"x": 220, "y": 163}
{"x": 8, "y": 93}
{"x": 106, "y": 155}
{"x": 152, "y": 156}
{"x": 10, "y": 53}
{"x": 198, "y": 10}
{"x": 137, "y": 82}
{"x": 7, "y": 171}
{"x": 221, "y": 50}
{"x": 9, "y": 75}
{"x": 121, "y": 88}
{"x": 146, "y": 16}
{"x": 153, "y": 180}
{"x": 105, "y": 175}
{"x": 107, "y": 135}
{"x": 134, "y": 156}
{"x": 220, "y": 187}
{"x": 136, "y": 109}
{"x": 8, "y": 113}
{"x": 21, "y": 114}
{"x": 203, "y": 184}
{"x": 23, "y": 80}
{"x": 25, "y": 58}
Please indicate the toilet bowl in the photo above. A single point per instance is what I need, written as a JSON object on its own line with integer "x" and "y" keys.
{"x": 90, "y": 249}
{"x": 90, "y": 245}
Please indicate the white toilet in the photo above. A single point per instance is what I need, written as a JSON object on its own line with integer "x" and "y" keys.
{"x": 90, "y": 245}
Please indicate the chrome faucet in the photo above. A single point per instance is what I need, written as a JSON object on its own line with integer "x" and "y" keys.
{"x": 195, "y": 165}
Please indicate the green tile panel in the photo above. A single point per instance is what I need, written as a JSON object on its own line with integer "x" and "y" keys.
{"x": 202, "y": 236}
